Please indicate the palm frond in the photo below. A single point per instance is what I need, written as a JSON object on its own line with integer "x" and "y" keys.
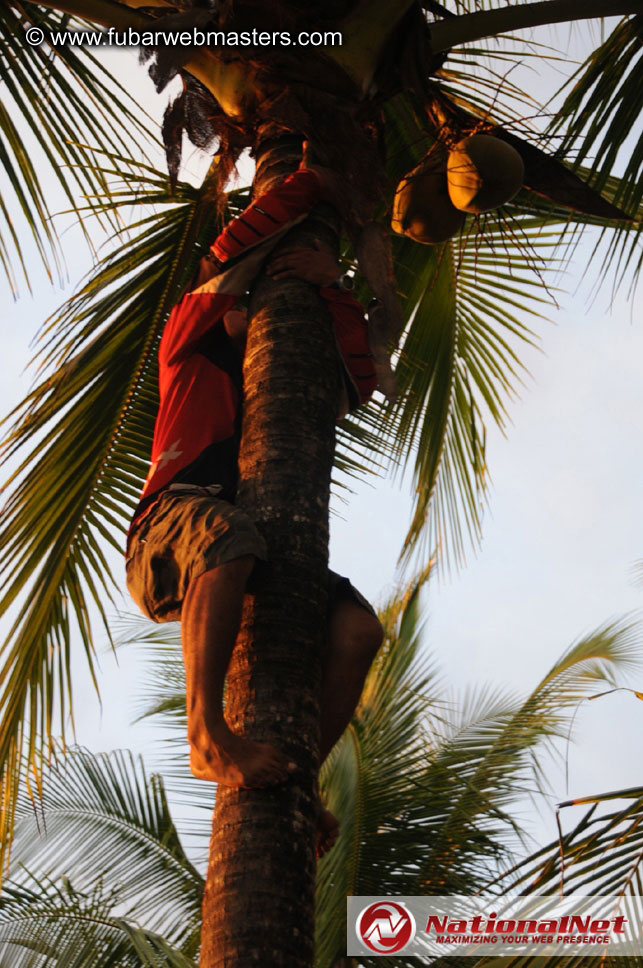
{"x": 90, "y": 425}
{"x": 445, "y": 817}
{"x": 44, "y": 923}
{"x": 66, "y": 100}
{"x": 162, "y": 697}
{"x": 100, "y": 819}
{"x": 468, "y": 306}
{"x": 602, "y": 854}
{"x": 455, "y": 105}
{"x": 163, "y": 691}
{"x": 459, "y": 365}
{"x": 601, "y": 111}
{"x": 479, "y": 81}
{"x": 495, "y": 751}
{"x": 603, "y": 103}
{"x": 423, "y": 793}
{"x": 600, "y": 123}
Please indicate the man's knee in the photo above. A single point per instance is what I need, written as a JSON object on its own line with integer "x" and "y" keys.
{"x": 371, "y": 634}
{"x": 356, "y": 632}
{"x": 237, "y": 569}
{"x": 228, "y": 579}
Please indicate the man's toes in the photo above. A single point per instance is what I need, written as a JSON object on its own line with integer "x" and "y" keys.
{"x": 327, "y": 831}
{"x": 278, "y": 768}
{"x": 269, "y": 776}
{"x": 274, "y": 767}
{"x": 277, "y": 775}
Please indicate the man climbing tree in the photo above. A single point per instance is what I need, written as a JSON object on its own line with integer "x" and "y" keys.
{"x": 191, "y": 551}
{"x": 379, "y": 109}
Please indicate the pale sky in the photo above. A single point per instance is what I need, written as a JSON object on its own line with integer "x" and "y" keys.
{"x": 560, "y": 538}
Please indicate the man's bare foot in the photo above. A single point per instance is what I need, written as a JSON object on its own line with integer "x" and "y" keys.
{"x": 327, "y": 831}
{"x": 223, "y": 757}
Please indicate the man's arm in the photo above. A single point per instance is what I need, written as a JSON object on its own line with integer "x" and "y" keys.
{"x": 277, "y": 208}
{"x": 235, "y": 257}
{"x": 234, "y": 260}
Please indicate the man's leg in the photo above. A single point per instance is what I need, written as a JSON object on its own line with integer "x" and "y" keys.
{"x": 354, "y": 636}
{"x": 210, "y": 619}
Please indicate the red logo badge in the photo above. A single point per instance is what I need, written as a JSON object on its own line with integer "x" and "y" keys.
{"x": 385, "y": 927}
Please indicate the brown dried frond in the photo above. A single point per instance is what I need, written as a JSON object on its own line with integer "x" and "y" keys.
{"x": 166, "y": 60}
{"x": 197, "y": 113}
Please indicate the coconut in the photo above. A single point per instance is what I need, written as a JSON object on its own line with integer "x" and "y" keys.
{"x": 483, "y": 172}
{"x": 421, "y": 208}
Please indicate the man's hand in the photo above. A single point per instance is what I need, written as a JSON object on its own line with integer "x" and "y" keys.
{"x": 235, "y": 322}
{"x": 316, "y": 265}
{"x": 207, "y": 269}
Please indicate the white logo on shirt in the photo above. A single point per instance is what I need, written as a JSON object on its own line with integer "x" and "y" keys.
{"x": 163, "y": 459}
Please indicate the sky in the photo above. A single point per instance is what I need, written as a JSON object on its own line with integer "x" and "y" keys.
{"x": 560, "y": 540}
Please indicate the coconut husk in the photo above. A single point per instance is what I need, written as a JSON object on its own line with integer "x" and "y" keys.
{"x": 483, "y": 172}
{"x": 378, "y": 327}
{"x": 196, "y": 113}
{"x": 422, "y": 209}
{"x": 545, "y": 174}
{"x": 372, "y": 245}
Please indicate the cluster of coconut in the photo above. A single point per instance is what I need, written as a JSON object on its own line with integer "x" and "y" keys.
{"x": 480, "y": 173}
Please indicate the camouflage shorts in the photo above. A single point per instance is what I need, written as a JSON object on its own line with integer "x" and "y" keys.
{"x": 184, "y": 535}
{"x": 188, "y": 532}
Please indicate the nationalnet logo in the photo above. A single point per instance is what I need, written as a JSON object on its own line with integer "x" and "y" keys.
{"x": 527, "y": 926}
{"x": 386, "y": 927}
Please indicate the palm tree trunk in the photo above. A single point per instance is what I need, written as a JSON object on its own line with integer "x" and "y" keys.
{"x": 259, "y": 899}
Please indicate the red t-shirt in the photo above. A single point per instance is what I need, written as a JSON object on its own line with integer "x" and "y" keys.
{"x": 197, "y": 431}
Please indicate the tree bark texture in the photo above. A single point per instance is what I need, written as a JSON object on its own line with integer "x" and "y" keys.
{"x": 259, "y": 899}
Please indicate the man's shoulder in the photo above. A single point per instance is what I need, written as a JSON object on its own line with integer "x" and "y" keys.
{"x": 197, "y": 313}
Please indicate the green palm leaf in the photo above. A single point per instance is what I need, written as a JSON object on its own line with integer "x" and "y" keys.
{"x": 492, "y": 750}
{"x": 162, "y": 697}
{"x": 468, "y": 305}
{"x": 93, "y": 418}
{"x": 44, "y": 923}
{"x": 423, "y": 788}
{"x": 601, "y": 855}
{"x": 425, "y": 798}
{"x": 103, "y": 819}
{"x": 602, "y": 109}
{"x": 458, "y": 365}
{"x": 600, "y": 122}
{"x": 66, "y": 100}
{"x": 370, "y": 777}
